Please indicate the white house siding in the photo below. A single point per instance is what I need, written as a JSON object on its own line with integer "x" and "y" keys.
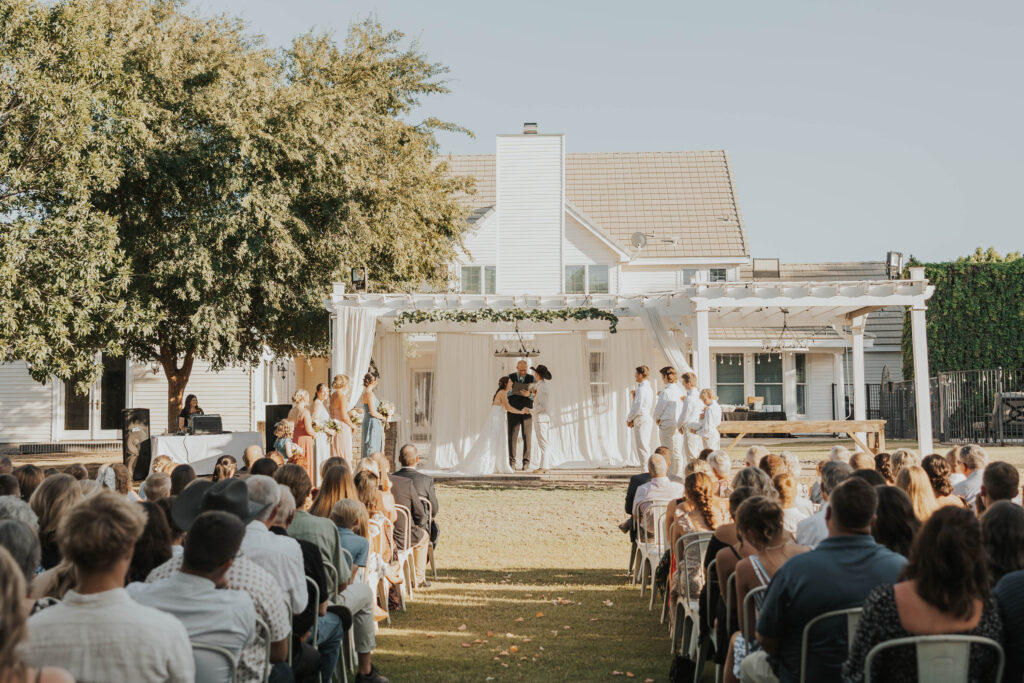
{"x": 226, "y": 393}
{"x": 639, "y": 280}
{"x": 530, "y": 206}
{"x": 26, "y": 406}
{"x": 481, "y": 243}
{"x": 819, "y": 386}
{"x": 875, "y": 361}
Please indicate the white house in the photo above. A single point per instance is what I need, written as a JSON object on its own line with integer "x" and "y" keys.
{"x": 656, "y": 237}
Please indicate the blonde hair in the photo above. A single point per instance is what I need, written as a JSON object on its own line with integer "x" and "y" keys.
{"x": 785, "y": 484}
{"x": 163, "y": 463}
{"x": 284, "y": 428}
{"x": 915, "y": 483}
{"x": 902, "y": 458}
{"x": 52, "y": 499}
{"x": 340, "y": 383}
{"x": 337, "y": 485}
{"x": 13, "y": 620}
{"x": 384, "y": 469}
{"x": 100, "y": 530}
{"x": 708, "y": 393}
{"x": 300, "y": 397}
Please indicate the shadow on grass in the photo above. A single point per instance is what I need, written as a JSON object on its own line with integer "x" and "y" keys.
{"x": 525, "y": 624}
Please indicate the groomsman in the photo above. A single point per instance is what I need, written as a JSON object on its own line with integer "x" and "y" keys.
{"x": 666, "y": 416}
{"x": 691, "y": 410}
{"x": 639, "y": 417}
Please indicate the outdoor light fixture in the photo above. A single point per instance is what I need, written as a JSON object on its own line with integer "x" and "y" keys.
{"x": 785, "y": 342}
{"x": 359, "y": 279}
{"x": 522, "y": 352}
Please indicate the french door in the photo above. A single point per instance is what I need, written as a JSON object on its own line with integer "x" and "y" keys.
{"x": 96, "y": 414}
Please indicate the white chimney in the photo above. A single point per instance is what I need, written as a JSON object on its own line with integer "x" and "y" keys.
{"x": 530, "y": 128}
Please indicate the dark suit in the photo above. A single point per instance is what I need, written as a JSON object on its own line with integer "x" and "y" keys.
{"x": 424, "y": 485}
{"x": 405, "y": 494}
{"x": 517, "y": 423}
{"x": 635, "y": 482}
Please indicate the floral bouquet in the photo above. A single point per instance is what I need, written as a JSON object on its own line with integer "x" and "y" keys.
{"x": 356, "y": 416}
{"x": 335, "y": 425}
{"x": 387, "y": 409}
{"x": 297, "y": 450}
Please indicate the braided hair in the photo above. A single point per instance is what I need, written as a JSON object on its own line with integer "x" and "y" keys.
{"x": 699, "y": 489}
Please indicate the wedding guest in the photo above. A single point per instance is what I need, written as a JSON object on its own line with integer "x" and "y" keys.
{"x": 181, "y": 476}
{"x": 1009, "y": 594}
{"x": 753, "y": 456}
{"x": 635, "y": 482}
{"x": 22, "y": 543}
{"x": 659, "y": 488}
{"x": 284, "y": 430}
{"x": 755, "y": 478}
{"x": 224, "y": 468}
{"x": 862, "y": 461}
{"x": 77, "y": 470}
{"x": 638, "y": 419}
{"x": 156, "y": 486}
{"x": 177, "y": 533}
{"x": 352, "y": 521}
{"x": 883, "y": 463}
{"x": 15, "y": 508}
{"x": 154, "y": 545}
{"x": 14, "y": 630}
{"x": 895, "y": 524}
{"x": 337, "y": 484}
{"x": 29, "y": 477}
{"x": 667, "y": 409}
{"x": 264, "y": 466}
{"x": 694, "y": 512}
{"x": 1002, "y": 534}
{"x": 370, "y": 497}
{"x": 835, "y": 454}
{"x": 773, "y": 465}
{"x": 950, "y": 457}
{"x": 853, "y": 564}
{"x": 212, "y": 613}
{"x": 279, "y": 555}
{"x": 704, "y": 452}
{"x": 914, "y": 481}
{"x": 6, "y": 466}
{"x": 97, "y": 632}
{"x": 792, "y": 514}
{"x": 872, "y": 477}
{"x": 721, "y": 467}
{"x": 409, "y": 459}
{"x": 901, "y": 458}
{"x": 250, "y": 455}
{"x": 341, "y": 444}
{"x": 726, "y": 549}
{"x": 51, "y": 502}
{"x": 945, "y": 588}
{"x": 814, "y": 529}
{"x": 9, "y": 485}
{"x": 190, "y": 408}
{"x": 163, "y": 463}
{"x": 937, "y": 469}
{"x": 404, "y": 494}
{"x": 373, "y": 421}
{"x": 1000, "y": 481}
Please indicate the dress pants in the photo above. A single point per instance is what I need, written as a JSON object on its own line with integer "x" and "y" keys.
{"x": 714, "y": 442}
{"x": 543, "y": 427}
{"x": 672, "y": 440}
{"x": 692, "y": 446}
{"x": 756, "y": 668}
{"x": 359, "y": 599}
{"x": 419, "y": 559}
{"x": 641, "y": 438}
{"x": 516, "y": 424}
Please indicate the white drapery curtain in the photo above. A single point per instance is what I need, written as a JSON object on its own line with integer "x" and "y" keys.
{"x": 389, "y": 355}
{"x": 664, "y": 338}
{"x": 464, "y": 382}
{"x": 353, "y": 345}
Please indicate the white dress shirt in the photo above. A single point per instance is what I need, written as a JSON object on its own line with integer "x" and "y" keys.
{"x": 669, "y": 405}
{"x": 813, "y": 530}
{"x": 658, "y": 489}
{"x": 643, "y": 401}
{"x": 282, "y": 557}
{"x": 692, "y": 405}
{"x": 109, "y": 637}
{"x": 970, "y": 487}
{"x": 225, "y": 618}
{"x": 707, "y": 428}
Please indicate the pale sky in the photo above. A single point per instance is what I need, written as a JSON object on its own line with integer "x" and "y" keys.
{"x": 853, "y": 128}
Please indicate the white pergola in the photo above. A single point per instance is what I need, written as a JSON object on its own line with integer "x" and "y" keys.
{"x": 841, "y": 306}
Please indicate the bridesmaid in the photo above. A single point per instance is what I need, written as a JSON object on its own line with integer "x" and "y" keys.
{"x": 373, "y": 422}
{"x": 341, "y": 444}
{"x": 303, "y": 434}
{"x": 320, "y": 417}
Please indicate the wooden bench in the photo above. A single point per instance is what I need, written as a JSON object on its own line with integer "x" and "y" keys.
{"x": 874, "y": 429}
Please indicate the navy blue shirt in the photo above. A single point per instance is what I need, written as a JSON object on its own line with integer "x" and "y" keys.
{"x": 1010, "y": 597}
{"x": 838, "y": 574}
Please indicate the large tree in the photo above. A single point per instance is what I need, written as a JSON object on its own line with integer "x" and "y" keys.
{"x": 261, "y": 178}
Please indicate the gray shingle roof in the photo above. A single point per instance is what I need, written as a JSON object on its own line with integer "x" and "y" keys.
{"x": 688, "y": 197}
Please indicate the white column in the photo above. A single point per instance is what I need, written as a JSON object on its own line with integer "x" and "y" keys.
{"x": 789, "y": 384}
{"x": 337, "y": 358}
{"x": 859, "y": 400}
{"x": 919, "y": 337}
{"x": 840, "y": 382}
{"x": 702, "y": 348}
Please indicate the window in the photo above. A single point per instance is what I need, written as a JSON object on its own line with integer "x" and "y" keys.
{"x": 801, "y": 383}
{"x": 598, "y": 385}
{"x": 729, "y": 378}
{"x": 768, "y": 378}
{"x": 587, "y": 280}
{"x": 479, "y": 279}
{"x": 717, "y": 275}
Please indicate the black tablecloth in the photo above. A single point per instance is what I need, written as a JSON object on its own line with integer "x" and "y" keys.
{"x": 757, "y": 416}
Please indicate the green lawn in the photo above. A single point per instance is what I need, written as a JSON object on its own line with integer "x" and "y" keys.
{"x": 531, "y": 586}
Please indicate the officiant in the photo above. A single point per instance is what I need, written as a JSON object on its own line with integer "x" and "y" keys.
{"x": 520, "y": 397}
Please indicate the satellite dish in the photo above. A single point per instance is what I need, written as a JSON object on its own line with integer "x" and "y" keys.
{"x": 638, "y": 240}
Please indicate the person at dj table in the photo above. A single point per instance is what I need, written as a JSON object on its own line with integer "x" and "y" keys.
{"x": 185, "y": 416}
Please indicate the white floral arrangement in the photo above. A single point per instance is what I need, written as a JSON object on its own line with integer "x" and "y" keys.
{"x": 356, "y": 416}
{"x": 296, "y": 449}
{"x": 387, "y": 409}
{"x": 335, "y": 425}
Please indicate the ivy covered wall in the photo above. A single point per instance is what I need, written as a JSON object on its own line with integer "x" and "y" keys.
{"x": 975, "y": 319}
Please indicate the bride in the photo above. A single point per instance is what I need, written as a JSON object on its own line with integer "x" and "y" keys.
{"x": 490, "y": 452}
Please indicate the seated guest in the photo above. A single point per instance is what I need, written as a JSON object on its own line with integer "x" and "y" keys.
{"x": 404, "y": 493}
{"x": 870, "y": 476}
{"x": 13, "y": 630}
{"x": 97, "y": 632}
{"x": 915, "y": 483}
{"x": 266, "y": 467}
{"x": 177, "y": 533}
{"x": 760, "y": 525}
{"x": 1002, "y": 534}
{"x": 839, "y": 573}
{"x": 696, "y": 511}
{"x": 224, "y": 468}
{"x": 883, "y": 463}
{"x": 862, "y": 461}
{"x": 1009, "y": 594}
{"x": 971, "y": 461}
{"x": 752, "y": 458}
{"x": 895, "y": 524}
{"x": 814, "y": 529}
{"x": 198, "y": 594}
{"x": 118, "y": 478}
{"x": 726, "y": 550}
{"x": 635, "y": 482}
{"x": 6, "y": 466}
{"x": 23, "y": 545}
{"x": 944, "y": 589}
{"x": 29, "y": 477}
{"x": 51, "y": 501}
{"x": 279, "y": 555}
{"x": 351, "y": 519}
{"x": 794, "y": 467}
{"x": 336, "y": 484}
{"x": 163, "y": 463}
{"x": 251, "y": 455}
{"x": 755, "y": 478}
{"x": 181, "y": 476}
{"x": 950, "y": 457}
{"x": 835, "y": 454}
{"x": 938, "y": 474}
{"x": 16, "y": 508}
{"x": 77, "y": 470}
{"x": 409, "y": 459}
{"x": 9, "y": 485}
{"x": 792, "y": 514}
{"x": 1000, "y": 481}
{"x": 721, "y": 469}
{"x": 659, "y": 489}
{"x": 773, "y": 465}
{"x": 901, "y": 458}
{"x": 704, "y": 453}
{"x": 231, "y": 495}
{"x": 154, "y": 545}
{"x": 156, "y": 486}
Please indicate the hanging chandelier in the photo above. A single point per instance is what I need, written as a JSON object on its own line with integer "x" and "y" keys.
{"x": 507, "y": 351}
{"x": 787, "y": 340}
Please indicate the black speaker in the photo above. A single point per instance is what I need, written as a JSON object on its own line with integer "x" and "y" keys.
{"x": 136, "y": 449}
{"x": 274, "y": 414}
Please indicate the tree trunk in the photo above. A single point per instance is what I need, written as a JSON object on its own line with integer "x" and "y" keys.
{"x": 177, "y": 379}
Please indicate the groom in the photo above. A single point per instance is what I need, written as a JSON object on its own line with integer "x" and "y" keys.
{"x": 519, "y": 398}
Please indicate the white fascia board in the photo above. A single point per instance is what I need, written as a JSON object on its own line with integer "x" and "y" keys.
{"x": 691, "y": 261}
{"x": 585, "y": 222}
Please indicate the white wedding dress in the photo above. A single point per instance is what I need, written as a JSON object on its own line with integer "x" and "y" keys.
{"x": 320, "y": 417}
{"x": 489, "y": 454}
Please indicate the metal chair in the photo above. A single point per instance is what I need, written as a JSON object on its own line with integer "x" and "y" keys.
{"x": 940, "y": 659}
{"x": 748, "y": 617}
{"x": 221, "y": 653}
{"x": 347, "y": 658}
{"x": 314, "y": 593}
{"x": 852, "y": 617}
{"x": 376, "y": 580}
{"x": 652, "y": 544}
{"x": 688, "y": 602}
{"x": 405, "y": 560}
{"x": 430, "y": 545}
{"x": 262, "y": 628}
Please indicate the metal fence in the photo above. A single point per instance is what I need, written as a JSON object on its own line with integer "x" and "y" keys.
{"x": 872, "y": 399}
{"x": 967, "y": 406}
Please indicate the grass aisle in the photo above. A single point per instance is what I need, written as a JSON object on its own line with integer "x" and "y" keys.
{"x": 531, "y": 586}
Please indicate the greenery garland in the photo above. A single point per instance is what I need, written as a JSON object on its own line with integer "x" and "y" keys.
{"x": 508, "y": 316}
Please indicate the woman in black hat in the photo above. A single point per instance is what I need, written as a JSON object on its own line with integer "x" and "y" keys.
{"x": 542, "y": 419}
